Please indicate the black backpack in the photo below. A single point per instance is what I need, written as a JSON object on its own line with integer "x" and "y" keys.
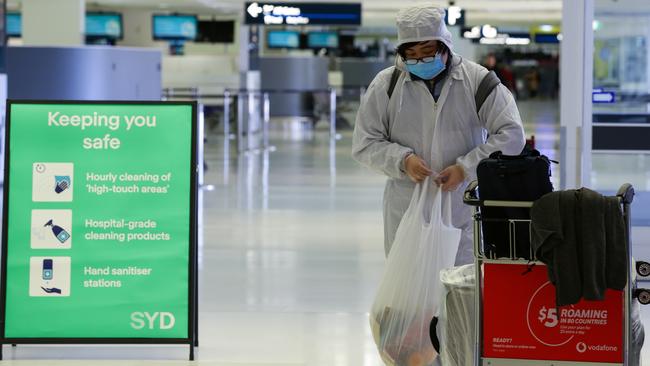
{"x": 489, "y": 82}
{"x": 524, "y": 177}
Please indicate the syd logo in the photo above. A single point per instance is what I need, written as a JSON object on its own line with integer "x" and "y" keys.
{"x": 157, "y": 320}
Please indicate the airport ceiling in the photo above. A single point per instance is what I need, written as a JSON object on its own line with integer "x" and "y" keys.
{"x": 376, "y": 12}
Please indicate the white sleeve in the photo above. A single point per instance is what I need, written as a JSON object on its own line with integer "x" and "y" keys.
{"x": 371, "y": 145}
{"x": 500, "y": 117}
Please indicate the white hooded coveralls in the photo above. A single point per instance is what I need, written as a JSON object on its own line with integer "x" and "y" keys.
{"x": 386, "y": 131}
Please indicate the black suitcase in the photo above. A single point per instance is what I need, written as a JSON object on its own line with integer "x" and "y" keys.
{"x": 525, "y": 177}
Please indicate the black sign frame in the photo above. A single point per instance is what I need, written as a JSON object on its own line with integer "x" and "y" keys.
{"x": 317, "y": 13}
{"x": 192, "y": 339}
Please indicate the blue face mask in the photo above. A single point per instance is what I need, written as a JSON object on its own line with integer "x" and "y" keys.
{"x": 427, "y": 70}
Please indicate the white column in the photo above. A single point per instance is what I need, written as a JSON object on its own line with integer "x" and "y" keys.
{"x": 244, "y": 56}
{"x": 53, "y": 23}
{"x": 647, "y": 86}
{"x": 137, "y": 28}
{"x": 576, "y": 71}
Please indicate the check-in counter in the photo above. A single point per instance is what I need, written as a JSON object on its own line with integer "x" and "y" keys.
{"x": 358, "y": 73}
{"x": 84, "y": 73}
{"x": 290, "y": 82}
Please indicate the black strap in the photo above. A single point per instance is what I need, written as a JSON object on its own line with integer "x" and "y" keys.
{"x": 393, "y": 81}
{"x": 489, "y": 82}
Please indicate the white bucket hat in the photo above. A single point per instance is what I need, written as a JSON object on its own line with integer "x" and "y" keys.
{"x": 422, "y": 23}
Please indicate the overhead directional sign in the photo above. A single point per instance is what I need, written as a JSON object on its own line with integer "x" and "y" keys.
{"x": 263, "y": 13}
{"x": 455, "y": 16}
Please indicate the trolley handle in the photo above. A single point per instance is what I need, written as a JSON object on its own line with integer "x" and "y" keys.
{"x": 471, "y": 198}
{"x": 626, "y": 194}
{"x": 471, "y": 194}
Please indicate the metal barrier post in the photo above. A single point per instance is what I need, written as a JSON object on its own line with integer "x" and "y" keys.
{"x": 240, "y": 122}
{"x": 252, "y": 122}
{"x": 226, "y": 132}
{"x": 333, "y": 114}
{"x": 267, "y": 119}
{"x": 226, "y": 122}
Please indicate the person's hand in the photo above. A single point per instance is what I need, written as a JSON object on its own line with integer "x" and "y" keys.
{"x": 416, "y": 168}
{"x": 450, "y": 178}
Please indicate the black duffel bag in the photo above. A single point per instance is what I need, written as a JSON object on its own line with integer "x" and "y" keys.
{"x": 524, "y": 177}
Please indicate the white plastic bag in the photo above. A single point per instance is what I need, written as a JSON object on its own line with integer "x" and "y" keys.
{"x": 409, "y": 293}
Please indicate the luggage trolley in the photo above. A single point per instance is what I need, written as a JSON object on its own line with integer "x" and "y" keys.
{"x": 517, "y": 322}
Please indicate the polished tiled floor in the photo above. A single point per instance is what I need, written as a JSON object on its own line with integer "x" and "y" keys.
{"x": 291, "y": 255}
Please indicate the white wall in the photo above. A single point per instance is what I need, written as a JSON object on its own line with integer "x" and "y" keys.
{"x": 138, "y": 33}
{"x": 137, "y": 29}
{"x": 53, "y": 23}
{"x": 211, "y": 67}
{"x": 463, "y": 46}
{"x": 210, "y": 73}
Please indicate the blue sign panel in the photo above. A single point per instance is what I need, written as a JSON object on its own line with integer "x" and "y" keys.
{"x": 283, "y": 39}
{"x": 603, "y": 97}
{"x": 14, "y": 24}
{"x": 323, "y": 40}
{"x": 104, "y": 25}
{"x": 174, "y": 27}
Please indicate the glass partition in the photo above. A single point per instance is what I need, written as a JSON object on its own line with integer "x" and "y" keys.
{"x": 621, "y": 109}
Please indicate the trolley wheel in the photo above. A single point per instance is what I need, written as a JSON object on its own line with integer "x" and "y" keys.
{"x": 643, "y": 295}
{"x": 643, "y": 269}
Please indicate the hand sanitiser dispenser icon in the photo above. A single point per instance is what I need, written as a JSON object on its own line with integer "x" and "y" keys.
{"x": 48, "y": 269}
{"x": 58, "y": 231}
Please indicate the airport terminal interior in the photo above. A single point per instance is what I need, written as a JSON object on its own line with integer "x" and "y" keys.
{"x": 290, "y": 247}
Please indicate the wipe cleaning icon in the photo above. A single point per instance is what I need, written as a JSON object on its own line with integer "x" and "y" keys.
{"x": 52, "y": 182}
{"x": 58, "y": 232}
{"x": 62, "y": 182}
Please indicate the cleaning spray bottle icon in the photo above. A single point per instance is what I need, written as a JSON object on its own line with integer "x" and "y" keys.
{"x": 58, "y": 231}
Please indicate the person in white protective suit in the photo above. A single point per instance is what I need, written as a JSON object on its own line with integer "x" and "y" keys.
{"x": 430, "y": 126}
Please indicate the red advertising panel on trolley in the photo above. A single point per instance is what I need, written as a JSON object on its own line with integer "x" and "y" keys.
{"x": 521, "y": 320}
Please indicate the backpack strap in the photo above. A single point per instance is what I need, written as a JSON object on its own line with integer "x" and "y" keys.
{"x": 489, "y": 82}
{"x": 393, "y": 81}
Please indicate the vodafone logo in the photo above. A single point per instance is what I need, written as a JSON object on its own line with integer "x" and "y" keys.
{"x": 581, "y": 347}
